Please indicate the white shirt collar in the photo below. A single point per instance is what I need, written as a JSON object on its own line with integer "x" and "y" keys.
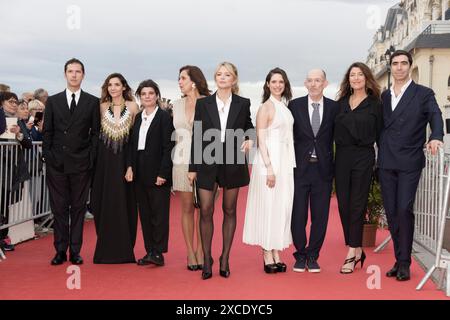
{"x": 69, "y": 96}
{"x": 403, "y": 89}
{"x": 221, "y": 105}
{"x": 69, "y": 93}
{"x": 310, "y": 101}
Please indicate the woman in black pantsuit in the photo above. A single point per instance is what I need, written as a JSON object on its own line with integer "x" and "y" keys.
{"x": 220, "y": 161}
{"x": 150, "y": 150}
{"x": 357, "y": 128}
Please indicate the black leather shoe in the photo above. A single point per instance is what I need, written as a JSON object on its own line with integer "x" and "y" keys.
{"x": 224, "y": 273}
{"x": 403, "y": 273}
{"x": 192, "y": 267}
{"x": 145, "y": 261}
{"x": 59, "y": 258}
{"x": 157, "y": 258}
{"x": 270, "y": 268}
{"x": 76, "y": 259}
{"x": 206, "y": 275}
{"x": 7, "y": 247}
{"x": 281, "y": 267}
{"x": 393, "y": 272}
{"x": 207, "y": 272}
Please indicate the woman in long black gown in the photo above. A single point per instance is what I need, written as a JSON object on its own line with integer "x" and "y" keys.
{"x": 113, "y": 200}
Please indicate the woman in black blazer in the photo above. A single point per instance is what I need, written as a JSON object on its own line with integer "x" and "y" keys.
{"x": 222, "y": 135}
{"x": 357, "y": 128}
{"x": 150, "y": 166}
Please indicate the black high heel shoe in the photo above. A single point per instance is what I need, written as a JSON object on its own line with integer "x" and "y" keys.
{"x": 270, "y": 268}
{"x": 281, "y": 267}
{"x": 224, "y": 273}
{"x": 200, "y": 265}
{"x": 362, "y": 258}
{"x": 206, "y": 274}
{"x": 192, "y": 267}
{"x": 348, "y": 270}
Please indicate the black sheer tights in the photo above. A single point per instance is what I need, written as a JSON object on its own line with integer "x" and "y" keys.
{"x": 207, "y": 225}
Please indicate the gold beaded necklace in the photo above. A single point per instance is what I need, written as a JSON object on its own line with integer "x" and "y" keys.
{"x": 115, "y": 134}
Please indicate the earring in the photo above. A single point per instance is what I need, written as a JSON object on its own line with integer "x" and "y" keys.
{"x": 193, "y": 86}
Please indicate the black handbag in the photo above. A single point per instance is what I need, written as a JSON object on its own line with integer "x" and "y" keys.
{"x": 195, "y": 196}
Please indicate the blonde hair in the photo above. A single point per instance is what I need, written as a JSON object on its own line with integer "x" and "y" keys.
{"x": 35, "y": 104}
{"x": 233, "y": 70}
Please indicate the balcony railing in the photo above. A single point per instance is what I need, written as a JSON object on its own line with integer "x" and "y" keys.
{"x": 427, "y": 28}
{"x": 437, "y": 28}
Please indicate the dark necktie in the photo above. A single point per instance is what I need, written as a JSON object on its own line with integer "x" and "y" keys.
{"x": 73, "y": 104}
{"x": 315, "y": 119}
{"x": 315, "y": 122}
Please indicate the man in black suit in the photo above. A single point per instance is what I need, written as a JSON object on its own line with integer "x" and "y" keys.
{"x": 407, "y": 109}
{"x": 70, "y": 136}
{"x": 313, "y": 140}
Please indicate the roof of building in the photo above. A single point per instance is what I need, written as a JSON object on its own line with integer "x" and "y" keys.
{"x": 430, "y": 41}
{"x": 391, "y": 19}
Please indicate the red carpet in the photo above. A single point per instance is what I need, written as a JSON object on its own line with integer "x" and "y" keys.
{"x": 27, "y": 274}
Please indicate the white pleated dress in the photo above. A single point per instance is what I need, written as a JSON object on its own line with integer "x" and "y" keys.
{"x": 269, "y": 210}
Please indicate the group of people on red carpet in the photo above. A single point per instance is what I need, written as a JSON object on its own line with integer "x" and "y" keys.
{"x": 132, "y": 155}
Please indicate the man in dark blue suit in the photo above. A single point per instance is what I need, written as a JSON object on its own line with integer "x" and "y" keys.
{"x": 407, "y": 109}
{"x": 313, "y": 140}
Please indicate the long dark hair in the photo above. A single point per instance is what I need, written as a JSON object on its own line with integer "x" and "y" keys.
{"x": 127, "y": 93}
{"x": 198, "y": 78}
{"x": 372, "y": 87}
{"x": 287, "y": 93}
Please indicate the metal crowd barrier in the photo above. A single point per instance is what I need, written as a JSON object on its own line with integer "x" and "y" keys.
{"x": 429, "y": 201}
{"x": 432, "y": 213}
{"x": 26, "y": 198}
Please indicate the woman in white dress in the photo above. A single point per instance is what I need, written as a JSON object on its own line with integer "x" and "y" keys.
{"x": 193, "y": 85}
{"x": 271, "y": 190}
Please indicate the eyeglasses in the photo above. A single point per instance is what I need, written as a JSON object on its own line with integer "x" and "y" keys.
{"x": 12, "y": 101}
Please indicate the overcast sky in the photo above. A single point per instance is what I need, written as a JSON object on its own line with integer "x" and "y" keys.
{"x": 153, "y": 39}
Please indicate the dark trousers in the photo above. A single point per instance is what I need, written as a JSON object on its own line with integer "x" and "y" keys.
{"x": 154, "y": 204}
{"x": 68, "y": 195}
{"x": 313, "y": 191}
{"x": 354, "y": 167}
{"x": 399, "y": 192}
